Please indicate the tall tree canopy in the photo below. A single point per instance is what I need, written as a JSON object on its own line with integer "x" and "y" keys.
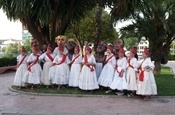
{"x": 45, "y": 19}
{"x": 85, "y": 29}
{"x": 155, "y": 19}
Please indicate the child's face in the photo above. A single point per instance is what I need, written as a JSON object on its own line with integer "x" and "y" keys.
{"x": 144, "y": 55}
{"x": 131, "y": 54}
{"x": 76, "y": 51}
{"x": 108, "y": 50}
{"x": 34, "y": 52}
{"x": 49, "y": 51}
{"x": 87, "y": 52}
{"x": 121, "y": 54}
{"x": 23, "y": 53}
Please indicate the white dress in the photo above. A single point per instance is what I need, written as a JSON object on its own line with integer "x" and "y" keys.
{"x": 131, "y": 74}
{"x": 59, "y": 74}
{"x": 88, "y": 79}
{"x": 148, "y": 85}
{"x": 33, "y": 76}
{"x": 57, "y": 52}
{"x": 75, "y": 71}
{"x": 47, "y": 64}
{"x": 107, "y": 72}
{"x": 119, "y": 82}
{"x": 21, "y": 70}
{"x": 98, "y": 68}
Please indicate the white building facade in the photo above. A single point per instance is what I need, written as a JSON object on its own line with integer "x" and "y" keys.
{"x": 141, "y": 46}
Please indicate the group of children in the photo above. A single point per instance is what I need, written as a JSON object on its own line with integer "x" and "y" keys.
{"x": 128, "y": 74}
{"x": 125, "y": 73}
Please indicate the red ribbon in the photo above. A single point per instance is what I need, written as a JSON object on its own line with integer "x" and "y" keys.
{"x": 118, "y": 71}
{"x": 63, "y": 60}
{"x": 86, "y": 61}
{"x": 36, "y": 60}
{"x": 141, "y": 75}
{"x": 75, "y": 58}
{"x": 21, "y": 61}
{"x": 49, "y": 56}
{"x": 130, "y": 64}
{"x": 106, "y": 61}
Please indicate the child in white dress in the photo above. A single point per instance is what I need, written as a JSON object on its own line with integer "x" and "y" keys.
{"x": 21, "y": 69}
{"x": 34, "y": 71}
{"x": 119, "y": 81}
{"x": 61, "y": 74}
{"x": 131, "y": 73}
{"x": 88, "y": 79}
{"x": 75, "y": 68}
{"x": 61, "y": 41}
{"x": 146, "y": 81}
{"x": 107, "y": 73}
{"x": 48, "y": 58}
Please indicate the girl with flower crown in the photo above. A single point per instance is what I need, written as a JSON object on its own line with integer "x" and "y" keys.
{"x": 61, "y": 73}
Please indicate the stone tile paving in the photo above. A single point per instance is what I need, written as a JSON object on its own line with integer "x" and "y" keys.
{"x": 12, "y": 103}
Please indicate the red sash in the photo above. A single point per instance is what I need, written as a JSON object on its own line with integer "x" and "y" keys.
{"x": 21, "y": 61}
{"x": 63, "y": 60}
{"x": 86, "y": 61}
{"x": 141, "y": 74}
{"x": 106, "y": 61}
{"x": 118, "y": 71}
{"x": 75, "y": 58}
{"x": 50, "y": 57}
{"x": 36, "y": 60}
{"x": 130, "y": 64}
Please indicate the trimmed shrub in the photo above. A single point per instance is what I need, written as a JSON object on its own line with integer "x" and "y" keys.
{"x": 172, "y": 57}
{"x": 8, "y": 61}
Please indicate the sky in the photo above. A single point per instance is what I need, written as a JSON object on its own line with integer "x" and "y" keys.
{"x": 9, "y": 29}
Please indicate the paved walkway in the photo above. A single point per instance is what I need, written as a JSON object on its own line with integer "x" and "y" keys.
{"x": 12, "y": 103}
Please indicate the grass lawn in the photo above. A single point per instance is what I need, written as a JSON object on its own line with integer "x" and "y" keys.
{"x": 165, "y": 84}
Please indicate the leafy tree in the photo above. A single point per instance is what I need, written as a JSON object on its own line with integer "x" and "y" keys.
{"x": 45, "y": 19}
{"x": 12, "y": 50}
{"x": 154, "y": 19}
{"x": 86, "y": 31}
{"x": 130, "y": 42}
{"x": 27, "y": 45}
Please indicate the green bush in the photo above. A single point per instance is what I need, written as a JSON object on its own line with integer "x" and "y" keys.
{"x": 8, "y": 61}
{"x": 172, "y": 57}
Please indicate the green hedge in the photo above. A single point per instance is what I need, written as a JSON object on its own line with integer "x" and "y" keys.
{"x": 172, "y": 57}
{"x": 7, "y": 61}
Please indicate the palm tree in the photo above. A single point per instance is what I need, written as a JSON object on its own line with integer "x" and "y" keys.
{"x": 155, "y": 21}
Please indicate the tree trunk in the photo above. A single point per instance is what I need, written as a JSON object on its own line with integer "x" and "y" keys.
{"x": 159, "y": 53}
{"x": 98, "y": 25}
{"x": 156, "y": 56}
{"x": 157, "y": 68}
